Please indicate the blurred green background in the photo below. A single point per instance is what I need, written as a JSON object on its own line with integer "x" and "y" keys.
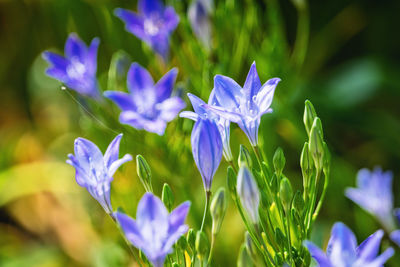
{"x": 342, "y": 55}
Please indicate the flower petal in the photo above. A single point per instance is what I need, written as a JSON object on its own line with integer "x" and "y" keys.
{"x": 341, "y": 248}
{"x": 189, "y": 115}
{"x": 165, "y": 85}
{"x": 369, "y": 249}
{"x": 59, "y": 66}
{"x": 151, "y": 211}
{"x": 88, "y": 154}
{"x": 130, "y": 229}
{"x": 197, "y": 104}
{"x": 231, "y": 116}
{"x": 266, "y": 94}
{"x": 91, "y": 57}
{"x": 395, "y": 237}
{"x": 150, "y": 7}
{"x": 252, "y": 84}
{"x": 75, "y": 47}
{"x": 139, "y": 79}
{"x": 171, "y": 19}
{"x": 112, "y": 152}
{"x": 116, "y": 164}
{"x": 170, "y": 108}
{"x": 227, "y": 91}
{"x": 178, "y": 216}
{"x": 133, "y": 22}
{"x": 123, "y": 100}
{"x": 317, "y": 254}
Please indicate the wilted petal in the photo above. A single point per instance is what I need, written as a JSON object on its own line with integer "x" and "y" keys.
{"x": 165, "y": 85}
{"x": 317, "y": 254}
{"x": 123, "y": 100}
{"x": 207, "y": 149}
{"x": 170, "y": 108}
{"x": 341, "y": 248}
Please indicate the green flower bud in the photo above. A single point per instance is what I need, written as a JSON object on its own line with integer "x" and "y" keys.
{"x": 250, "y": 246}
{"x": 306, "y": 163}
{"x": 309, "y": 116}
{"x": 191, "y": 239}
{"x": 327, "y": 160}
{"x": 279, "y": 161}
{"x": 231, "y": 181}
{"x": 244, "y": 157}
{"x": 144, "y": 172}
{"x": 285, "y": 193}
{"x": 298, "y": 202}
{"x": 316, "y": 145}
{"x": 244, "y": 259}
{"x": 218, "y": 210}
{"x": 202, "y": 244}
{"x": 182, "y": 243}
{"x": 274, "y": 184}
{"x": 167, "y": 197}
{"x": 249, "y": 193}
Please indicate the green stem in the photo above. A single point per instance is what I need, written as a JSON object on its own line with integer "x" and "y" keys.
{"x": 321, "y": 200}
{"x": 314, "y": 193}
{"x": 207, "y": 206}
{"x": 233, "y": 165}
{"x": 288, "y": 235}
{"x": 302, "y": 34}
{"x": 211, "y": 249}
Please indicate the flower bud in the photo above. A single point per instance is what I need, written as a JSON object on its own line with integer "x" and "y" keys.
{"x": 182, "y": 243}
{"x": 167, "y": 197}
{"x": 279, "y": 161}
{"x": 191, "y": 239}
{"x": 202, "y": 244}
{"x": 231, "y": 181}
{"x": 298, "y": 202}
{"x": 306, "y": 163}
{"x": 244, "y": 259}
{"x": 286, "y": 193}
{"x": 250, "y": 246}
{"x": 244, "y": 157}
{"x": 327, "y": 160}
{"x": 309, "y": 116}
{"x": 218, "y": 209}
{"x": 316, "y": 145}
{"x": 248, "y": 192}
{"x": 144, "y": 172}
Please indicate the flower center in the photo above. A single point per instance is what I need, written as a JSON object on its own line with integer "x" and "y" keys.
{"x": 151, "y": 27}
{"x": 76, "y": 70}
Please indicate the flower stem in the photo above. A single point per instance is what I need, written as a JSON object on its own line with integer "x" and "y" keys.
{"x": 211, "y": 249}
{"x": 207, "y": 206}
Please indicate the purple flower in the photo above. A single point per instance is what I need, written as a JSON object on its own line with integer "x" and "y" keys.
{"x": 342, "y": 250}
{"x": 246, "y": 105}
{"x": 395, "y": 235}
{"x": 198, "y": 13}
{"x": 374, "y": 194}
{"x": 148, "y": 106}
{"x": 206, "y": 149}
{"x": 77, "y": 69}
{"x": 153, "y": 24}
{"x": 248, "y": 192}
{"x": 95, "y": 171}
{"x": 154, "y": 231}
{"x": 222, "y": 123}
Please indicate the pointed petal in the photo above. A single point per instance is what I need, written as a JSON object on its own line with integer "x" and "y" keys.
{"x": 157, "y": 126}
{"x": 197, "y": 104}
{"x": 75, "y": 47}
{"x": 160, "y": 44}
{"x": 112, "y": 152}
{"x": 132, "y": 118}
{"x": 227, "y": 92}
{"x": 395, "y": 237}
{"x": 170, "y": 108}
{"x": 189, "y": 115}
{"x": 317, "y": 254}
{"x": 224, "y": 113}
{"x": 178, "y": 216}
{"x": 165, "y": 85}
{"x": 88, "y": 153}
{"x": 341, "y": 248}
{"x": 151, "y": 211}
{"x": 116, "y": 164}
{"x": 369, "y": 249}
{"x": 252, "y": 84}
{"x": 150, "y": 7}
{"x": 123, "y": 100}
{"x": 133, "y": 22}
{"x": 173, "y": 237}
{"x": 266, "y": 94}
{"x": 91, "y": 58}
{"x": 80, "y": 173}
{"x": 59, "y": 66}
{"x": 381, "y": 259}
{"x": 139, "y": 78}
{"x": 171, "y": 19}
{"x": 130, "y": 229}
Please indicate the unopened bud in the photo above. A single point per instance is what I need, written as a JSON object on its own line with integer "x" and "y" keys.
{"x": 316, "y": 145}
{"x": 298, "y": 202}
{"x": 286, "y": 193}
{"x": 244, "y": 157}
{"x": 144, "y": 172}
{"x": 191, "y": 239}
{"x": 279, "y": 161}
{"x": 327, "y": 160}
{"x": 202, "y": 245}
{"x": 306, "y": 162}
{"x": 231, "y": 181}
{"x": 218, "y": 209}
{"x": 309, "y": 116}
{"x": 248, "y": 192}
{"x": 167, "y": 197}
{"x": 244, "y": 259}
{"x": 250, "y": 246}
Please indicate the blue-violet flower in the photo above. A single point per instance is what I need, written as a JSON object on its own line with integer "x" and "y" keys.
{"x": 222, "y": 123}
{"x": 342, "y": 250}
{"x": 246, "y": 105}
{"x": 248, "y": 192}
{"x": 207, "y": 149}
{"x": 153, "y": 24}
{"x": 374, "y": 194}
{"x": 95, "y": 171}
{"x": 148, "y": 106}
{"x": 199, "y": 17}
{"x": 77, "y": 69}
{"x": 154, "y": 231}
